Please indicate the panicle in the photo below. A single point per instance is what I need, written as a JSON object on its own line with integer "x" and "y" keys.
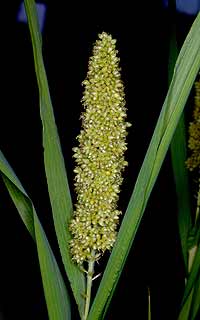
{"x": 99, "y": 155}
{"x": 193, "y": 162}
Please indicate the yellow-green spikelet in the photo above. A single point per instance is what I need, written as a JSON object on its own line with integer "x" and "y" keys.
{"x": 193, "y": 162}
{"x": 100, "y": 154}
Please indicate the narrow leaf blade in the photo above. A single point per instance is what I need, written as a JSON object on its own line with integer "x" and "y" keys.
{"x": 178, "y": 154}
{"x": 178, "y": 148}
{"x": 54, "y": 164}
{"x": 56, "y": 295}
{"x": 192, "y": 276}
{"x": 195, "y": 309}
{"x": 185, "y": 72}
{"x": 185, "y": 311}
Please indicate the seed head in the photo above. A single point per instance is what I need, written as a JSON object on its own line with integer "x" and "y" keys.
{"x": 193, "y": 162}
{"x": 99, "y": 156}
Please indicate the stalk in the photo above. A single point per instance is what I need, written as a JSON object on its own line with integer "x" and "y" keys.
{"x": 149, "y": 304}
{"x": 89, "y": 287}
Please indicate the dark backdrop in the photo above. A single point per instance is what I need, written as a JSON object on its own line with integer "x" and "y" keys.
{"x": 142, "y": 33}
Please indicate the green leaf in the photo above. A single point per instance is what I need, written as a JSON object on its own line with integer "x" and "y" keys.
{"x": 185, "y": 311}
{"x": 195, "y": 307}
{"x": 192, "y": 278}
{"x": 178, "y": 155}
{"x": 56, "y": 295}
{"x": 54, "y": 164}
{"x": 185, "y": 72}
{"x": 178, "y": 148}
{"x": 191, "y": 306}
{"x": 23, "y": 205}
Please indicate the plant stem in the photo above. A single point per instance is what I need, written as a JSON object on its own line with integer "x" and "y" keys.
{"x": 193, "y": 250}
{"x": 149, "y": 304}
{"x": 89, "y": 286}
{"x": 198, "y": 204}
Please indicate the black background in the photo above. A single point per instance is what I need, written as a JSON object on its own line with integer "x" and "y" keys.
{"x": 142, "y": 33}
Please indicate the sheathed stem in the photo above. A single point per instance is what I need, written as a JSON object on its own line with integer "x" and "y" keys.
{"x": 89, "y": 286}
